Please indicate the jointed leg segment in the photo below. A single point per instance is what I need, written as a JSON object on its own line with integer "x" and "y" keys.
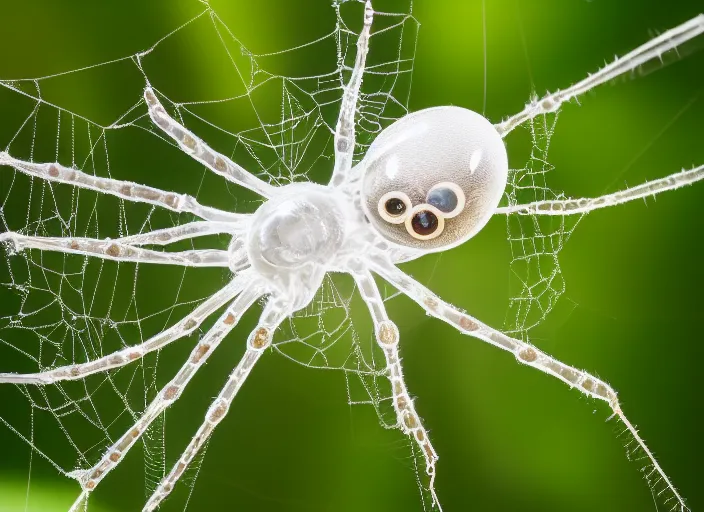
{"x": 387, "y": 338}
{"x": 127, "y": 355}
{"x": 579, "y": 206}
{"x": 651, "y": 50}
{"x": 184, "y": 232}
{"x": 345, "y": 129}
{"x": 199, "y": 150}
{"x": 260, "y": 339}
{"x": 181, "y": 203}
{"x": 117, "y": 251}
{"x": 90, "y": 478}
{"x": 527, "y": 354}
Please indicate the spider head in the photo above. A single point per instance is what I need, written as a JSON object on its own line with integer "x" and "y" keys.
{"x": 432, "y": 179}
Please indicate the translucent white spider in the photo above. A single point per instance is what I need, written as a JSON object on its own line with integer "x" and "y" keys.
{"x": 429, "y": 182}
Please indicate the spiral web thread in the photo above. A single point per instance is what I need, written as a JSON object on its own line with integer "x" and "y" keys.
{"x": 538, "y": 284}
{"x": 535, "y": 240}
{"x": 60, "y": 309}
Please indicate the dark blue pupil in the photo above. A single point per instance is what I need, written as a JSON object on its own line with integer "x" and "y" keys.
{"x": 444, "y": 199}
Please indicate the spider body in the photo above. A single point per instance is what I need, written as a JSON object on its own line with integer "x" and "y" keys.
{"x": 300, "y": 234}
{"x": 429, "y": 182}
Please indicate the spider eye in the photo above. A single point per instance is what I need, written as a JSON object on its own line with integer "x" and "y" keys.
{"x": 432, "y": 179}
{"x": 393, "y": 206}
{"x": 425, "y": 222}
{"x": 448, "y": 198}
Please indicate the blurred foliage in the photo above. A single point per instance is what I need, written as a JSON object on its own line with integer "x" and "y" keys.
{"x": 509, "y": 438}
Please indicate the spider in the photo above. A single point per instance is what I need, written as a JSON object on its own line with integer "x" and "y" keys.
{"x": 429, "y": 182}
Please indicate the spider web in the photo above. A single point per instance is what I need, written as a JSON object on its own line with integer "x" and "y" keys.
{"x": 535, "y": 240}
{"x": 62, "y": 309}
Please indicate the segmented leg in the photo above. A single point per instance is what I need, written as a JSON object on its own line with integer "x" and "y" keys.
{"x": 127, "y": 190}
{"x": 183, "y": 232}
{"x": 585, "y": 205}
{"x": 260, "y": 339}
{"x": 345, "y": 129}
{"x": 192, "y": 145}
{"x": 651, "y": 50}
{"x": 387, "y": 338}
{"x": 90, "y": 478}
{"x": 117, "y": 251}
{"x": 527, "y": 354}
{"x": 127, "y": 355}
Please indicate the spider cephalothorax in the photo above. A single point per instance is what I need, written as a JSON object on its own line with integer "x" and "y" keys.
{"x": 429, "y": 182}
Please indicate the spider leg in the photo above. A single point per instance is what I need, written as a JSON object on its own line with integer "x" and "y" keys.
{"x": 260, "y": 339}
{"x": 653, "y": 49}
{"x": 90, "y": 478}
{"x": 183, "y": 232}
{"x": 123, "y": 357}
{"x": 344, "y": 131}
{"x": 527, "y": 354}
{"x": 117, "y": 251}
{"x": 192, "y": 145}
{"x": 585, "y": 205}
{"x": 387, "y": 338}
{"x": 127, "y": 190}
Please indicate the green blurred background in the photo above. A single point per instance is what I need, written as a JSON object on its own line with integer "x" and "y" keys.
{"x": 509, "y": 438}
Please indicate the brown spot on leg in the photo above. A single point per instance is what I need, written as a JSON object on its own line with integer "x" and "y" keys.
{"x": 114, "y": 457}
{"x": 179, "y": 469}
{"x": 468, "y": 324}
{"x": 260, "y": 338}
{"x": 229, "y": 319}
{"x": 189, "y": 142}
{"x": 410, "y": 420}
{"x": 74, "y": 245}
{"x": 151, "y": 98}
{"x": 401, "y": 403}
{"x": 200, "y": 352}
{"x": 113, "y": 250}
{"x": 429, "y": 451}
{"x": 116, "y": 360}
{"x": 528, "y": 355}
{"x": 220, "y": 164}
{"x": 218, "y": 413}
{"x": 388, "y": 334}
{"x": 53, "y": 171}
{"x": 171, "y": 201}
{"x": 171, "y": 392}
{"x": 431, "y": 303}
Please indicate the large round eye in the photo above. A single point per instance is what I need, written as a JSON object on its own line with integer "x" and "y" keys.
{"x": 393, "y": 207}
{"x": 448, "y": 198}
{"x": 425, "y": 222}
{"x": 432, "y": 179}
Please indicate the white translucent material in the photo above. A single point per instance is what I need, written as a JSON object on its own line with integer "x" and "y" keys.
{"x": 414, "y": 155}
{"x": 446, "y": 165}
